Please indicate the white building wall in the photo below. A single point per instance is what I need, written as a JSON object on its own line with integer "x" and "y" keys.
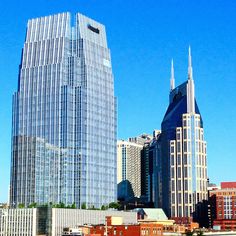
{"x": 18, "y": 222}
{"x": 73, "y": 217}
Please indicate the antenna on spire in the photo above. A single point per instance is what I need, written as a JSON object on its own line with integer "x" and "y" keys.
{"x": 172, "y": 79}
{"x": 190, "y": 86}
{"x": 190, "y": 69}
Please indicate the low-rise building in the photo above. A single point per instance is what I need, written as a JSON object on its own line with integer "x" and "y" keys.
{"x": 52, "y": 221}
{"x": 116, "y": 228}
{"x": 18, "y": 222}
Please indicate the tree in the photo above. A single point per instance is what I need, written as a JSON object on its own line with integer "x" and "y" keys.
{"x": 83, "y": 206}
{"x": 73, "y": 206}
{"x": 61, "y": 205}
{"x": 114, "y": 205}
{"x": 32, "y": 205}
{"x": 21, "y": 205}
{"x": 104, "y": 207}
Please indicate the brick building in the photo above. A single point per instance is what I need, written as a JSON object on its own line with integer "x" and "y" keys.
{"x": 223, "y": 202}
{"x": 114, "y": 227}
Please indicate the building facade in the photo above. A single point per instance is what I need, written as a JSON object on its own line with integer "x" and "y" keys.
{"x": 114, "y": 227}
{"x": 154, "y": 170}
{"x": 128, "y": 169}
{"x": 18, "y": 222}
{"x": 223, "y": 203}
{"x": 64, "y": 115}
{"x": 182, "y": 176}
{"x": 146, "y": 163}
{"x": 51, "y": 221}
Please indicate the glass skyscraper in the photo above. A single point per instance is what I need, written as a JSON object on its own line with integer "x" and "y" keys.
{"x": 182, "y": 176}
{"x": 64, "y": 115}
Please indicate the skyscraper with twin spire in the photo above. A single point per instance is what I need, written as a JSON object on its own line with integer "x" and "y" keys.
{"x": 64, "y": 115}
{"x": 182, "y": 178}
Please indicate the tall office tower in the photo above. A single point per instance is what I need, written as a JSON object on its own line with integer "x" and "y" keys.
{"x": 146, "y": 164}
{"x": 154, "y": 170}
{"x": 64, "y": 115}
{"x": 183, "y": 151}
{"x": 128, "y": 169}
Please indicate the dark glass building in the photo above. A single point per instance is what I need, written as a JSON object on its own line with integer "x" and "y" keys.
{"x": 182, "y": 177}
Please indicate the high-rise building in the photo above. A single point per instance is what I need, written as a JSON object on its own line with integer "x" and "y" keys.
{"x": 64, "y": 115}
{"x": 128, "y": 169}
{"x": 154, "y": 170}
{"x": 146, "y": 164}
{"x": 182, "y": 154}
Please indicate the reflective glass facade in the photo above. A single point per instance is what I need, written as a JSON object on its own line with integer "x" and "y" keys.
{"x": 64, "y": 115}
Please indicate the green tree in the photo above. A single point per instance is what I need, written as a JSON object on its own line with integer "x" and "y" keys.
{"x": 32, "y": 205}
{"x": 114, "y": 205}
{"x": 73, "y": 206}
{"x": 21, "y": 205}
{"x": 83, "y": 206}
{"x": 61, "y": 205}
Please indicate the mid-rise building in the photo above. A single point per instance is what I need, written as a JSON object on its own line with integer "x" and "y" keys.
{"x": 181, "y": 151}
{"x": 64, "y": 115}
{"x": 223, "y": 204}
{"x": 128, "y": 169}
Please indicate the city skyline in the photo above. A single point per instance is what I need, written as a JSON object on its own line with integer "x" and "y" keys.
{"x": 141, "y": 69}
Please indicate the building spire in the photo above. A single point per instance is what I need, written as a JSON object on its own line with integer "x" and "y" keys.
{"x": 190, "y": 68}
{"x": 190, "y": 86}
{"x": 172, "y": 79}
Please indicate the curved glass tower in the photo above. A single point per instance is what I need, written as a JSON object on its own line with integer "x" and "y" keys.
{"x": 64, "y": 115}
{"x": 183, "y": 181}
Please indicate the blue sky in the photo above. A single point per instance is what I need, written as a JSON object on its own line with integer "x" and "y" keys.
{"x": 143, "y": 37}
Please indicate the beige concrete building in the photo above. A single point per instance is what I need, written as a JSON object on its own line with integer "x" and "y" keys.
{"x": 128, "y": 169}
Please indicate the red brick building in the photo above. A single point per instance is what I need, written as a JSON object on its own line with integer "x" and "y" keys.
{"x": 223, "y": 202}
{"x": 187, "y": 222}
{"x": 141, "y": 229}
{"x": 228, "y": 185}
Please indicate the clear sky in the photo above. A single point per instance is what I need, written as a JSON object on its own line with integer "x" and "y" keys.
{"x": 143, "y": 37}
